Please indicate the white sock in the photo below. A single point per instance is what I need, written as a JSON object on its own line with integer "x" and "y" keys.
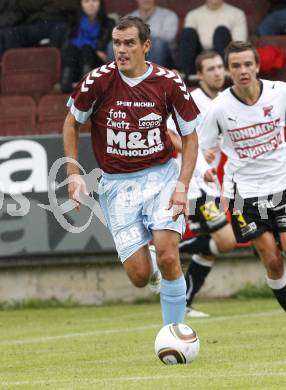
{"x": 153, "y": 259}
{"x": 213, "y": 247}
{"x": 202, "y": 261}
{"x": 276, "y": 284}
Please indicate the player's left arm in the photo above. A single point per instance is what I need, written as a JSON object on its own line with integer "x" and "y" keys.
{"x": 176, "y": 140}
{"x": 179, "y": 200}
{"x": 189, "y": 158}
{"x": 186, "y": 116}
{"x": 208, "y": 172}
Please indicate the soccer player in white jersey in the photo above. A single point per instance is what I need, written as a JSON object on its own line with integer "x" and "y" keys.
{"x": 143, "y": 193}
{"x": 251, "y": 118}
{"x": 212, "y": 232}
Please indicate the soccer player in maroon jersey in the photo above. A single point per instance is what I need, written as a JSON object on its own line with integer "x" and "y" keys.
{"x": 250, "y": 116}
{"x": 143, "y": 193}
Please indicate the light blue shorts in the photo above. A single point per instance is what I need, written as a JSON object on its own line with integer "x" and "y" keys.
{"x": 136, "y": 203}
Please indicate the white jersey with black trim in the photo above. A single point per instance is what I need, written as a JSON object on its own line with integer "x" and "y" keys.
{"x": 253, "y": 139}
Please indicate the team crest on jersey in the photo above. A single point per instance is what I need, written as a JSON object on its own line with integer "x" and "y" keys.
{"x": 267, "y": 111}
{"x": 150, "y": 121}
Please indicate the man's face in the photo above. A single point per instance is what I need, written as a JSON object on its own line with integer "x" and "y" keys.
{"x": 243, "y": 68}
{"x": 214, "y": 4}
{"x": 213, "y": 73}
{"x": 145, "y": 5}
{"x": 128, "y": 50}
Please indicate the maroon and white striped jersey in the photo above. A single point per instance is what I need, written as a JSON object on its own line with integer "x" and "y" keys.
{"x": 128, "y": 116}
{"x": 253, "y": 139}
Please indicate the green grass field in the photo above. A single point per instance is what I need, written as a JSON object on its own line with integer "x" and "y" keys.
{"x": 243, "y": 346}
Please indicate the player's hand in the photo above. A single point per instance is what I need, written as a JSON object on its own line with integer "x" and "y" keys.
{"x": 210, "y": 154}
{"x": 180, "y": 205}
{"x": 210, "y": 175}
{"x": 76, "y": 186}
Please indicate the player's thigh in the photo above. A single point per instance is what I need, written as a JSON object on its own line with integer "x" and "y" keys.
{"x": 157, "y": 216}
{"x": 224, "y": 238}
{"x": 123, "y": 212}
{"x": 282, "y": 237}
{"x": 166, "y": 243}
{"x": 246, "y": 220}
{"x": 138, "y": 266}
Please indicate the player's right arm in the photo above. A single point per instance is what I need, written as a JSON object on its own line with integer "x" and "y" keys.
{"x": 71, "y": 140}
{"x": 81, "y": 105}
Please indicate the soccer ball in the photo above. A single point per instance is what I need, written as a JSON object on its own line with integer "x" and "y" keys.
{"x": 177, "y": 344}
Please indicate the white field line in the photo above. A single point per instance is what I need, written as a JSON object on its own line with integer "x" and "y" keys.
{"x": 193, "y": 375}
{"x": 111, "y": 317}
{"x": 45, "y": 339}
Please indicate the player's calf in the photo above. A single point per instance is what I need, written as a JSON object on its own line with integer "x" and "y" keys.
{"x": 198, "y": 270}
{"x": 270, "y": 255}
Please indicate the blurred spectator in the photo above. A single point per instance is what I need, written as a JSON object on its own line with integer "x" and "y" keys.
{"x": 164, "y": 27}
{"x": 210, "y": 26}
{"x": 44, "y": 20}
{"x": 274, "y": 22}
{"x": 86, "y": 41}
{"x": 10, "y": 16}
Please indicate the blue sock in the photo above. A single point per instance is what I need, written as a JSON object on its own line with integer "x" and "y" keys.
{"x": 173, "y": 300}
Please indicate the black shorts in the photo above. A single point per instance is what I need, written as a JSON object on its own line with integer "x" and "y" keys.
{"x": 251, "y": 217}
{"x": 206, "y": 214}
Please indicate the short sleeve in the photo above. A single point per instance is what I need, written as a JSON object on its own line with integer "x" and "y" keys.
{"x": 84, "y": 97}
{"x": 184, "y": 110}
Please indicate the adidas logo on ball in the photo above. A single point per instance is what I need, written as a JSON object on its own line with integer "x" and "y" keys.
{"x": 177, "y": 344}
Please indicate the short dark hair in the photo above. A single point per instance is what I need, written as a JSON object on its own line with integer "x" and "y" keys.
{"x": 238, "y": 47}
{"x": 205, "y": 55}
{"x": 143, "y": 28}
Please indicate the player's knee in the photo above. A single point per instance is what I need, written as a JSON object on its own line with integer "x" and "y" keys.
{"x": 167, "y": 259}
{"x": 139, "y": 278}
{"x": 274, "y": 266}
{"x": 226, "y": 244}
{"x": 164, "y": 256}
{"x": 273, "y": 262}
